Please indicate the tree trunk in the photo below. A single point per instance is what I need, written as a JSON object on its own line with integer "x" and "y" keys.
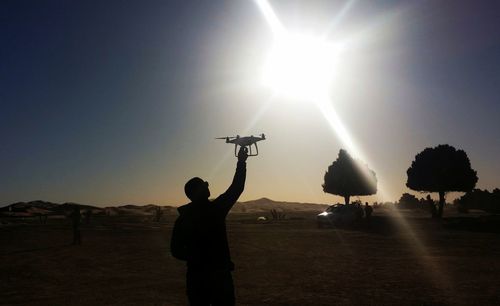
{"x": 346, "y": 199}
{"x": 441, "y": 204}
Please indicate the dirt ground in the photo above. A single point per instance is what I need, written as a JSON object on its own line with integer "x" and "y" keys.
{"x": 126, "y": 261}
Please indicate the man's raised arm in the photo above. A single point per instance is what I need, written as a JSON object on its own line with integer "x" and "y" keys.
{"x": 228, "y": 198}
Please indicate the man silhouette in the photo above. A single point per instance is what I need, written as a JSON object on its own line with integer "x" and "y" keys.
{"x": 199, "y": 238}
{"x": 432, "y": 206}
{"x": 368, "y": 211}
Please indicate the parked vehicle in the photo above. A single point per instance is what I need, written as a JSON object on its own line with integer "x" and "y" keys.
{"x": 340, "y": 215}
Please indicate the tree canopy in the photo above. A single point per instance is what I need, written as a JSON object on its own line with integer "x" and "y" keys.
{"x": 408, "y": 200}
{"x": 480, "y": 199}
{"x": 441, "y": 169}
{"x": 348, "y": 177}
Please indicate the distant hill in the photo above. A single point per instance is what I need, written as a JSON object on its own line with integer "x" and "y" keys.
{"x": 265, "y": 205}
{"x": 35, "y": 208}
{"x": 138, "y": 210}
{"x": 38, "y": 207}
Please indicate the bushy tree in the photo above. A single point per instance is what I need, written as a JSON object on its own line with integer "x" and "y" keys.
{"x": 480, "y": 199}
{"x": 408, "y": 200}
{"x": 348, "y": 177}
{"x": 441, "y": 169}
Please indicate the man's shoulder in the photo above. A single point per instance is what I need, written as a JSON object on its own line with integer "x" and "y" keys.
{"x": 218, "y": 202}
{"x": 194, "y": 209}
{"x": 184, "y": 208}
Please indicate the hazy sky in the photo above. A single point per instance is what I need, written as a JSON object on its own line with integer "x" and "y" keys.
{"x": 114, "y": 102}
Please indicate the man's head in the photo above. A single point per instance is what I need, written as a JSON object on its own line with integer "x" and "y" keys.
{"x": 196, "y": 189}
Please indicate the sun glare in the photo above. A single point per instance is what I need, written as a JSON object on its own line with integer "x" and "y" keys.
{"x": 300, "y": 66}
{"x": 308, "y": 68}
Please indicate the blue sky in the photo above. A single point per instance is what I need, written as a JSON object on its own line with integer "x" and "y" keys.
{"x": 109, "y": 102}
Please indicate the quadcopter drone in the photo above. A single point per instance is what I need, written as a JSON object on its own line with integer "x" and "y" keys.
{"x": 246, "y": 141}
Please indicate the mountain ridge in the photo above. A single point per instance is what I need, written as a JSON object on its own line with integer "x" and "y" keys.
{"x": 38, "y": 207}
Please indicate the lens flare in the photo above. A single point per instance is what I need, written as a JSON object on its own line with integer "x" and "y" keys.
{"x": 303, "y": 67}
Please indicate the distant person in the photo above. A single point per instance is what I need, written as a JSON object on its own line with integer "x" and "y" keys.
{"x": 88, "y": 214}
{"x": 199, "y": 238}
{"x": 75, "y": 218}
{"x": 368, "y": 211}
{"x": 432, "y": 206}
{"x": 359, "y": 210}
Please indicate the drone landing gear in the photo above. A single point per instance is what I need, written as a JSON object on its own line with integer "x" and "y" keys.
{"x": 249, "y": 150}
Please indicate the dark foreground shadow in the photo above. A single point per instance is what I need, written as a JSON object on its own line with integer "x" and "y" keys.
{"x": 484, "y": 224}
{"x": 38, "y": 249}
{"x": 381, "y": 225}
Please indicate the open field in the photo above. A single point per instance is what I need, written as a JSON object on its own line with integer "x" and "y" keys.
{"x": 125, "y": 261}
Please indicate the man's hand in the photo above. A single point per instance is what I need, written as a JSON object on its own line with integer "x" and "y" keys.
{"x": 243, "y": 154}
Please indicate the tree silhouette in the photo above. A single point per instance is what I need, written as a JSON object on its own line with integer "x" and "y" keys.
{"x": 408, "y": 200}
{"x": 480, "y": 199}
{"x": 441, "y": 169}
{"x": 348, "y": 177}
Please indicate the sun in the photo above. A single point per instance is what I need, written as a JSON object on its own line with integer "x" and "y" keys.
{"x": 300, "y": 67}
